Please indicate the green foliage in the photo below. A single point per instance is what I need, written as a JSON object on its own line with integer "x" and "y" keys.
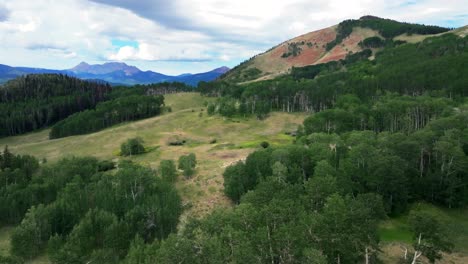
{"x": 273, "y": 224}
{"x": 211, "y": 109}
{"x": 372, "y": 42}
{"x": 167, "y": 170}
{"x": 187, "y": 163}
{"x": 11, "y": 260}
{"x": 294, "y": 49}
{"x": 433, "y": 68}
{"x": 251, "y": 73}
{"x": 35, "y": 101}
{"x": 107, "y": 114}
{"x": 242, "y": 72}
{"x": 264, "y": 144}
{"x": 106, "y": 165}
{"x": 430, "y": 236}
{"x": 81, "y": 214}
{"x": 235, "y": 181}
{"x": 30, "y": 237}
{"x": 386, "y": 27}
{"x": 88, "y": 238}
{"x": 132, "y": 146}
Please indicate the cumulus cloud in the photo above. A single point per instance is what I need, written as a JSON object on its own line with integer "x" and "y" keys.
{"x": 200, "y": 33}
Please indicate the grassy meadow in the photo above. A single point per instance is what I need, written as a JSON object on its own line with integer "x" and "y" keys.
{"x": 235, "y": 139}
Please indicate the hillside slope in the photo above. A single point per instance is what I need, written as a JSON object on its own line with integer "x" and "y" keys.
{"x": 329, "y": 44}
{"x": 235, "y": 140}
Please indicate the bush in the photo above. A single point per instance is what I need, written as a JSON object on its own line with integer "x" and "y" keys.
{"x": 167, "y": 170}
{"x": 30, "y": 237}
{"x": 211, "y": 109}
{"x": 372, "y": 42}
{"x": 177, "y": 142}
{"x": 132, "y": 146}
{"x": 106, "y": 165}
{"x": 264, "y": 144}
{"x": 187, "y": 163}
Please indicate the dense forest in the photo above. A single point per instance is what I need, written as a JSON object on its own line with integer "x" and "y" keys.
{"x": 73, "y": 106}
{"x": 124, "y": 104}
{"x": 109, "y": 113}
{"x": 79, "y": 211}
{"x": 37, "y": 101}
{"x": 434, "y": 68}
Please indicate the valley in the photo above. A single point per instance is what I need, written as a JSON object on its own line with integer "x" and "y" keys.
{"x": 235, "y": 139}
{"x": 347, "y": 144}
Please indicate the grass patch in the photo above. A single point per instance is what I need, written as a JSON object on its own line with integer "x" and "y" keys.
{"x": 248, "y": 144}
{"x": 5, "y": 233}
{"x": 395, "y": 230}
{"x": 454, "y": 220}
{"x": 223, "y": 146}
{"x": 276, "y": 140}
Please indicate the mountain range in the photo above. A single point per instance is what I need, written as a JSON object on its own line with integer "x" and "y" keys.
{"x": 114, "y": 73}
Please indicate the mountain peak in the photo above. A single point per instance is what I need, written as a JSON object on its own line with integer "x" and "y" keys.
{"x": 115, "y": 63}
{"x": 369, "y": 17}
{"x": 83, "y": 63}
{"x": 222, "y": 69}
{"x": 106, "y": 68}
{"x": 83, "y": 66}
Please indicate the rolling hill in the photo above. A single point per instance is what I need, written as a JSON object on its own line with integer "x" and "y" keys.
{"x": 330, "y": 44}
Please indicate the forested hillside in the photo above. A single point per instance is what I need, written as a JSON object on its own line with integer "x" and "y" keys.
{"x": 36, "y": 101}
{"x": 78, "y": 211}
{"x": 436, "y": 69}
{"x": 74, "y": 106}
{"x": 385, "y": 134}
{"x": 124, "y": 104}
{"x": 106, "y": 114}
{"x": 329, "y": 45}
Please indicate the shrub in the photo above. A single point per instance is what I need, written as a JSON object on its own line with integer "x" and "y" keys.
{"x": 264, "y": 144}
{"x": 132, "y": 146}
{"x": 167, "y": 170}
{"x": 106, "y": 165}
{"x": 187, "y": 163}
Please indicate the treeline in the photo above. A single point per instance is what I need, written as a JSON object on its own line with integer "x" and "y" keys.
{"x": 436, "y": 67}
{"x": 392, "y": 113}
{"x": 109, "y": 113}
{"x": 386, "y": 27}
{"x": 79, "y": 213}
{"x": 276, "y": 223}
{"x": 36, "y": 101}
{"x": 166, "y": 88}
{"x": 430, "y": 164}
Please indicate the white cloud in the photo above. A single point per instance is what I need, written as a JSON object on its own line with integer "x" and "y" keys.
{"x": 202, "y": 33}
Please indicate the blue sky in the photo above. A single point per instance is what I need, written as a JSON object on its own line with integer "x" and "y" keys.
{"x": 180, "y": 36}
